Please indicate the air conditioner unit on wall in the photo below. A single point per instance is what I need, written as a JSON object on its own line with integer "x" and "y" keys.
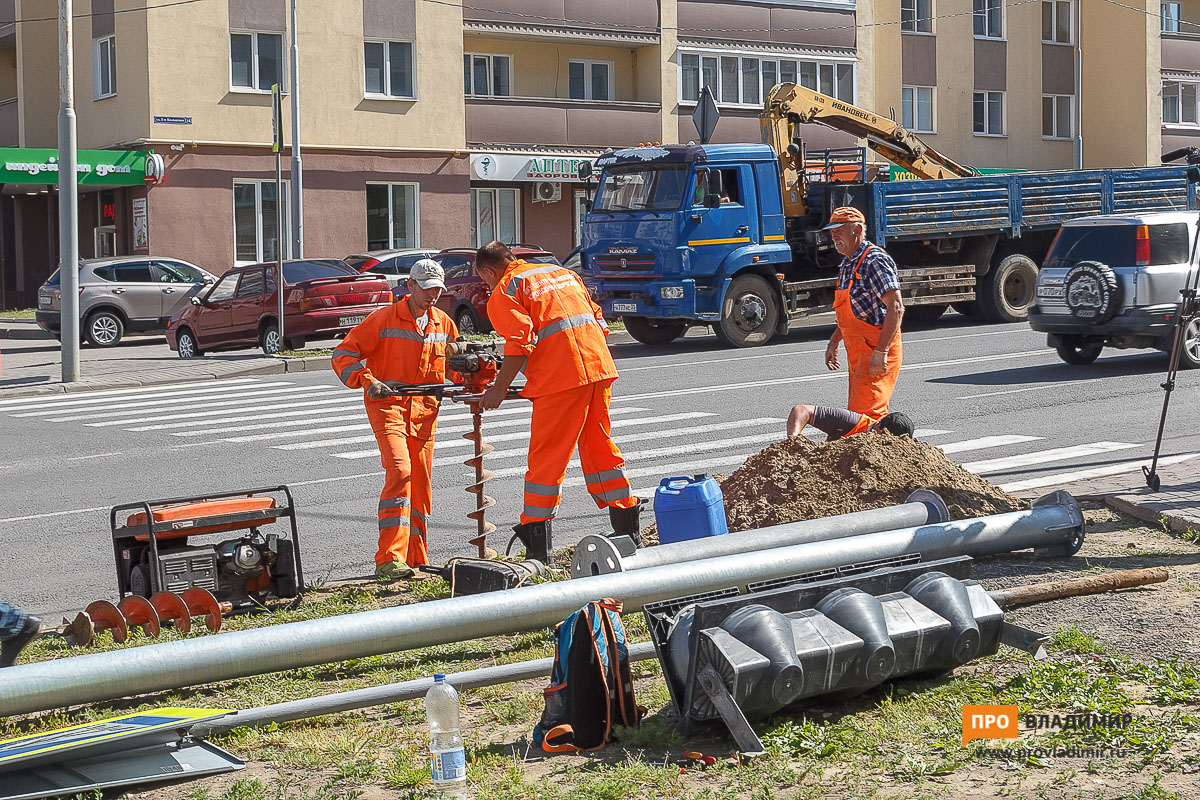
{"x": 547, "y": 192}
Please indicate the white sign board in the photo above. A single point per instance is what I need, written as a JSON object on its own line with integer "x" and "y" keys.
{"x": 490, "y": 167}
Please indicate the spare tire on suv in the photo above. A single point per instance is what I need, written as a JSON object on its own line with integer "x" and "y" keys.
{"x": 1093, "y": 293}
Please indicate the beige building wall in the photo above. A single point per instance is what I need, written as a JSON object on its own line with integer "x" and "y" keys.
{"x": 540, "y": 69}
{"x": 668, "y": 70}
{"x": 1122, "y": 85}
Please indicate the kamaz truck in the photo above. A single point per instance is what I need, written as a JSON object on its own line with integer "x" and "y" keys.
{"x": 729, "y": 236}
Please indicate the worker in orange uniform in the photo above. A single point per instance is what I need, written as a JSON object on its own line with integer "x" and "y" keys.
{"x": 837, "y": 423}
{"x": 405, "y": 342}
{"x": 869, "y": 309}
{"x": 555, "y": 334}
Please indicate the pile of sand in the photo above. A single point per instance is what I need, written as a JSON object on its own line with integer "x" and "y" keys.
{"x": 798, "y": 479}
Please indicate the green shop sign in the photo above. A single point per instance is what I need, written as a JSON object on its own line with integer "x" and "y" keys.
{"x": 95, "y": 168}
{"x": 896, "y": 173}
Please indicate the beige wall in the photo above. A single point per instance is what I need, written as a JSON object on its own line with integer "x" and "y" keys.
{"x": 540, "y": 69}
{"x": 668, "y": 71}
{"x": 1121, "y": 70}
{"x": 8, "y": 73}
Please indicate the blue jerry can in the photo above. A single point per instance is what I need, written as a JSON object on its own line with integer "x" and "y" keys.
{"x": 688, "y": 508}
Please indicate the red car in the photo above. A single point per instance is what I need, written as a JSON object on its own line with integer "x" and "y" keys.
{"x": 466, "y": 295}
{"x": 323, "y": 298}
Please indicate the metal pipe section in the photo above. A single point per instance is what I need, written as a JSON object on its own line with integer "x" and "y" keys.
{"x": 390, "y": 693}
{"x": 1054, "y": 523}
{"x": 600, "y": 555}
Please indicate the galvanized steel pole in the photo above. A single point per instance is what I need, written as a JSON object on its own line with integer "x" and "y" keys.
{"x": 1055, "y": 522}
{"x": 68, "y": 199}
{"x": 600, "y": 555}
{"x": 297, "y": 170}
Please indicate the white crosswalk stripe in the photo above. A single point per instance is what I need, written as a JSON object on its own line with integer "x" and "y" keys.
{"x": 1064, "y": 478}
{"x": 151, "y": 397}
{"x": 1043, "y": 457}
{"x": 62, "y": 399}
{"x": 245, "y": 398}
{"x": 985, "y": 442}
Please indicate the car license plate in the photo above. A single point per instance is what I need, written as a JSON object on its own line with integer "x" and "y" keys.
{"x": 624, "y": 307}
{"x": 43, "y": 302}
{"x": 1052, "y": 291}
{"x": 346, "y": 321}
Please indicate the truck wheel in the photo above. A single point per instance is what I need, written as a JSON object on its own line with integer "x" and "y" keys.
{"x": 1007, "y": 291}
{"x": 968, "y": 308}
{"x": 1074, "y": 350}
{"x": 648, "y": 332}
{"x": 924, "y": 314}
{"x": 749, "y": 314}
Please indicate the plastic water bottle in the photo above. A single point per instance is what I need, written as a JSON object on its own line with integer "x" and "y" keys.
{"x": 447, "y": 757}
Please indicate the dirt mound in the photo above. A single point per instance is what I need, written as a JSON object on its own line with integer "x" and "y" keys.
{"x": 798, "y": 479}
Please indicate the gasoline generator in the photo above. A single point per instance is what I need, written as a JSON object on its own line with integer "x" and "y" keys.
{"x": 157, "y": 546}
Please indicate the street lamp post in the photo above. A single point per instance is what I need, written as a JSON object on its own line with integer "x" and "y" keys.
{"x": 68, "y": 200}
{"x": 297, "y": 167}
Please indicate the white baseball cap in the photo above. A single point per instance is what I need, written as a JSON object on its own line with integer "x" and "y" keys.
{"x": 428, "y": 274}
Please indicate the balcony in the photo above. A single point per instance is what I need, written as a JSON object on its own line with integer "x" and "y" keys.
{"x": 556, "y": 121}
{"x": 614, "y": 20}
{"x": 1181, "y": 52}
{"x": 10, "y": 131}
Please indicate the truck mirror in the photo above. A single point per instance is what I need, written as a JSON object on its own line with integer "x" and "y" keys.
{"x": 585, "y": 170}
{"x": 716, "y": 183}
{"x": 712, "y": 200}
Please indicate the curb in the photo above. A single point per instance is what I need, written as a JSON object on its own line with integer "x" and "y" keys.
{"x": 1178, "y": 520}
{"x": 18, "y": 333}
{"x": 281, "y": 366}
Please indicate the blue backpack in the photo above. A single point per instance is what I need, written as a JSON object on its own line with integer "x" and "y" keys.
{"x": 590, "y": 686}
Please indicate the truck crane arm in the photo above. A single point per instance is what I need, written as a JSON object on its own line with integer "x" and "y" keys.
{"x": 788, "y": 105}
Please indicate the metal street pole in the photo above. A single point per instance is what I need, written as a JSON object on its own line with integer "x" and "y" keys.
{"x": 277, "y": 147}
{"x": 297, "y": 167}
{"x": 68, "y": 199}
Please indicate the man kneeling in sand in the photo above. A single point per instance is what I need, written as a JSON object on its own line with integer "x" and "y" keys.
{"x": 837, "y": 423}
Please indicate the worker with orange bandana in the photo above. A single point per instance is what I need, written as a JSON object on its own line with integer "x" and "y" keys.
{"x": 405, "y": 342}
{"x": 555, "y": 334}
{"x": 869, "y": 309}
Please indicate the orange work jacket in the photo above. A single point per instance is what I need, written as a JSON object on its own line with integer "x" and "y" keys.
{"x": 388, "y": 346}
{"x": 543, "y": 311}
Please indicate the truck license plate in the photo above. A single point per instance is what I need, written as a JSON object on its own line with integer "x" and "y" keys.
{"x": 345, "y": 321}
{"x": 624, "y": 307}
{"x": 1052, "y": 291}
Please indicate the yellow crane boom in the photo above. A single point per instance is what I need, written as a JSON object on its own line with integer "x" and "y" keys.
{"x": 789, "y": 105}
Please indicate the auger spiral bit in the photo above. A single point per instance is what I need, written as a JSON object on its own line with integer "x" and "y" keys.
{"x": 107, "y": 617}
{"x": 171, "y": 608}
{"x": 138, "y": 612}
{"x": 482, "y": 476}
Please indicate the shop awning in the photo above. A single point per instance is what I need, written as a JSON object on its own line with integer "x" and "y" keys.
{"x": 95, "y": 168}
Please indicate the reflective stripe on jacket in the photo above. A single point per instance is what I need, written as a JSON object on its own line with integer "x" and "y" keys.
{"x": 544, "y": 311}
{"x": 387, "y": 346}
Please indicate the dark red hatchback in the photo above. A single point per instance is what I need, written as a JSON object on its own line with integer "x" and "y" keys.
{"x": 323, "y": 298}
{"x": 466, "y": 295}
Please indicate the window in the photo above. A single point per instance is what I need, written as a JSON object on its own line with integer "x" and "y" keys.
{"x": 388, "y": 69}
{"x": 252, "y": 284}
{"x": 746, "y": 80}
{"x": 1056, "y": 21}
{"x": 989, "y": 19}
{"x": 1056, "y": 116}
{"x": 392, "y": 215}
{"x": 916, "y": 16}
{"x": 989, "y": 113}
{"x": 254, "y": 221}
{"x": 1170, "y": 17}
{"x": 224, "y": 289}
{"x": 174, "y": 272}
{"x": 256, "y": 61}
{"x": 135, "y": 272}
{"x": 730, "y": 192}
{"x": 486, "y": 75}
{"x": 589, "y": 80}
{"x": 1179, "y": 103}
{"x": 495, "y": 215}
{"x": 917, "y": 102}
{"x": 104, "y": 67}
{"x": 641, "y": 188}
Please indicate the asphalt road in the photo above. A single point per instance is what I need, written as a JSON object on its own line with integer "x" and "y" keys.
{"x": 993, "y": 396}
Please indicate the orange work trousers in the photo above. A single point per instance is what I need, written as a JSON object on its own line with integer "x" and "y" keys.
{"x": 407, "y": 496}
{"x": 561, "y": 422}
{"x": 868, "y": 395}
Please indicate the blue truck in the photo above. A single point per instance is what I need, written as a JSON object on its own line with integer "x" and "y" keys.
{"x": 686, "y": 235}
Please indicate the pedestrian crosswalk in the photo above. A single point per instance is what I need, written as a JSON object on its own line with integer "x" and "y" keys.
{"x": 306, "y": 421}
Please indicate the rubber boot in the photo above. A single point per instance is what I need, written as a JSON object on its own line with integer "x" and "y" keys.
{"x": 11, "y": 648}
{"x": 537, "y": 539}
{"x": 626, "y": 522}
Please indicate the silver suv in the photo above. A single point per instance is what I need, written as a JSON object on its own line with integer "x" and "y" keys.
{"x": 123, "y": 295}
{"x": 1114, "y": 281}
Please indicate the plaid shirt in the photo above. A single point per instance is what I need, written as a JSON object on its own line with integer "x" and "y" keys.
{"x": 876, "y": 277}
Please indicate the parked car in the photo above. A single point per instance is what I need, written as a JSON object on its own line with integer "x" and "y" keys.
{"x": 324, "y": 298}
{"x": 123, "y": 295}
{"x": 392, "y": 264}
{"x": 466, "y": 295}
{"x": 1114, "y": 281}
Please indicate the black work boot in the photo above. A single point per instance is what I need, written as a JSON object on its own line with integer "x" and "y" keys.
{"x": 537, "y": 540}
{"x": 626, "y": 522}
{"x": 11, "y": 648}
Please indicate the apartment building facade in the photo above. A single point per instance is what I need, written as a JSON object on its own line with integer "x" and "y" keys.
{"x": 438, "y": 124}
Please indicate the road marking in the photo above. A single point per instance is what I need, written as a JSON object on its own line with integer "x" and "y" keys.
{"x": 316, "y": 481}
{"x": 305, "y": 419}
{"x": 363, "y": 426}
{"x": 55, "y": 514}
{"x": 1064, "y": 478}
{"x": 308, "y": 417}
{"x": 921, "y": 433}
{"x": 677, "y": 468}
{"x": 73, "y": 396}
{"x": 838, "y": 374}
{"x": 95, "y": 455}
{"x": 986, "y": 441}
{"x": 656, "y": 452}
{"x": 616, "y": 423}
{"x": 308, "y": 408}
{"x": 1043, "y": 456}
{"x": 1007, "y": 391}
{"x": 245, "y": 398}
{"x": 148, "y": 396}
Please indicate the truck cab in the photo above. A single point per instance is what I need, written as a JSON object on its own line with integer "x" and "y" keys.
{"x": 672, "y": 229}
